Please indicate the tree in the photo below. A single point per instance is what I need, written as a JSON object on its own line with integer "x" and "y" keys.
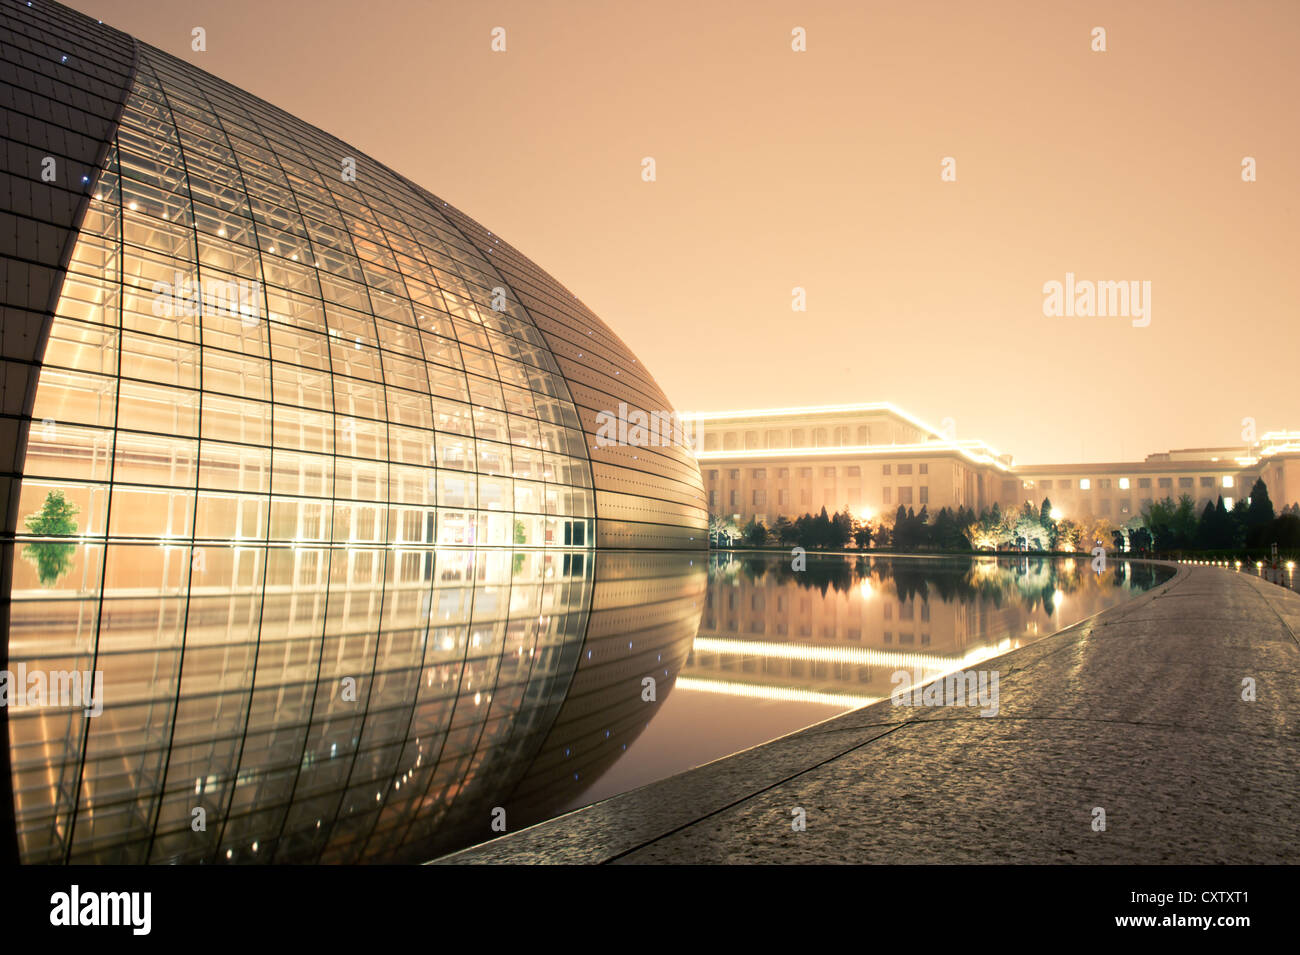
{"x": 1029, "y": 531}
{"x": 55, "y": 519}
{"x": 840, "y": 530}
{"x": 1259, "y": 515}
{"x": 784, "y": 531}
{"x": 754, "y": 534}
{"x": 722, "y": 529}
{"x": 862, "y": 536}
{"x": 1183, "y": 523}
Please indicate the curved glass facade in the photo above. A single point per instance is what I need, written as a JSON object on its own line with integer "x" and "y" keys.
{"x": 309, "y": 478}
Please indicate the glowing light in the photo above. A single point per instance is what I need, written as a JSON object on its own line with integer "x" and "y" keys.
{"x": 782, "y": 693}
{"x": 986, "y": 454}
{"x": 1057, "y": 514}
{"x": 928, "y": 663}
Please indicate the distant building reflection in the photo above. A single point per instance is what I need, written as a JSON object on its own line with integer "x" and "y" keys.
{"x": 837, "y": 631}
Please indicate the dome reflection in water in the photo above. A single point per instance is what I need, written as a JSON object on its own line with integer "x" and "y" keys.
{"x": 515, "y": 676}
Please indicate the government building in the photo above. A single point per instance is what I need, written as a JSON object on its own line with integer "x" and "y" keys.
{"x": 868, "y": 459}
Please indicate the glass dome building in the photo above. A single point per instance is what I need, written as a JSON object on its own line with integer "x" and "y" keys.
{"x": 274, "y": 418}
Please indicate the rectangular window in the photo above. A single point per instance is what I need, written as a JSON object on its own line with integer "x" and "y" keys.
{"x": 904, "y": 495}
{"x": 828, "y": 472}
{"x": 1166, "y": 482}
{"x": 735, "y": 498}
{"x": 1185, "y": 482}
{"x": 734, "y": 475}
{"x": 805, "y": 472}
{"x": 925, "y": 469}
{"x": 905, "y": 469}
{"x": 782, "y": 473}
{"x": 1207, "y": 481}
{"x": 1045, "y": 485}
{"x": 1104, "y": 484}
{"x": 1144, "y": 482}
{"x": 925, "y": 494}
{"x": 1227, "y": 482}
{"x": 1085, "y": 484}
{"x": 759, "y": 474}
{"x": 855, "y": 472}
{"x": 885, "y": 469}
{"x": 887, "y": 495}
{"x": 1066, "y": 484}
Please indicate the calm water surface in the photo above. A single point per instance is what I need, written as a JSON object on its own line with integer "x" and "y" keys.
{"x": 506, "y": 686}
{"x": 779, "y": 650}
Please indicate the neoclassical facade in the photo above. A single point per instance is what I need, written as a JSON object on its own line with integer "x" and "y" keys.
{"x": 870, "y": 458}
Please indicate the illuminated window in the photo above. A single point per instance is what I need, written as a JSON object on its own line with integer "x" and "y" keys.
{"x": 1123, "y": 484}
{"x": 1085, "y": 484}
{"x": 1227, "y": 482}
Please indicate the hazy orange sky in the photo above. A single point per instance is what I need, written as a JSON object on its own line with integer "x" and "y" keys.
{"x": 821, "y": 169}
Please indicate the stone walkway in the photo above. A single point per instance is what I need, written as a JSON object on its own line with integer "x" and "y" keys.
{"x": 1137, "y": 711}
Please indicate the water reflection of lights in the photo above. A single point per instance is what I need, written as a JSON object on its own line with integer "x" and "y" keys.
{"x": 864, "y": 588}
{"x": 783, "y": 694}
{"x": 850, "y": 655}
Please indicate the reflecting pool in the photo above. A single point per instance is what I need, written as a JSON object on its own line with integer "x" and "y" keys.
{"x": 490, "y": 691}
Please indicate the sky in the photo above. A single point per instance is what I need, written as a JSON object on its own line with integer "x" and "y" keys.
{"x": 823, "y": 170}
